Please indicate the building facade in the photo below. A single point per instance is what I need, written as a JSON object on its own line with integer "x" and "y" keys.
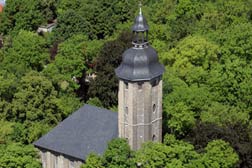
{"x": 140, "y": 89}
{"x": 50, "y": 159}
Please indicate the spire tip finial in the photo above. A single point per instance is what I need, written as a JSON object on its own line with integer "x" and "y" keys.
{"x": 140, "y": 7}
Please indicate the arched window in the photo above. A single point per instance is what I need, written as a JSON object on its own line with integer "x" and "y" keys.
{"x": 154, "y": 108}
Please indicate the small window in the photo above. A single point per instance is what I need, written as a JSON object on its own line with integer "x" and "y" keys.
{"x": 155, "y": 82}
{"x": 140, "y": 85}
{"x": 126, "y": 85}
{"x": 154, "y": 137}
{"x": 154, "y": 108}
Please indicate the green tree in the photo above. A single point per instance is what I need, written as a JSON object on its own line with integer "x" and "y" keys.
{"x": 104, "y": 86}
{"x": 98, "y": 11}
{"x": 236, "y": 41}
{"x": 70, "y": 23}
{"x": 34, "y": 131}
{"x": 16, "y": 155}
{"x": 183, "y": 104}
{"x": 8, "y": 85}
{"x": 152, "y": 155}
{"x": 27, "y": 51}
{"x": 25, "y": 133}
{"x": 173, "y": 153}
{"x": 93, "y": 161}
{"x": 19, "y": 133}
{"x": 48, "y": 9}
{"x": 180, "y": 118}
{"x": 64, "y": 5}
{"x": 223, "y": 115}
{"x": 95, "y": 102}
{"x": 219, "y": 15}
{"x": 118, "y": 154}
{"x": 67, "y": 104}
{"x": 230, "y": 82}
{"x": 90, "y": 17}
{"x": 5, "y": 131}
{"x": 21, "y": 15}
{"x": 34, "y": 100}
{"x": 192, "y": 58}
{"x": 238, "y": 136}
{"x": 165, "y": 8}
{"x": 69, "y": 64}
{"x": 217, "y": 154}
{"x": 186, "y": 14}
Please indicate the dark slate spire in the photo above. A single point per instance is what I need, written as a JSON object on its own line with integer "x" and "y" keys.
{"x": 140, "y": 24}
{"x": 140, "y": 63}
{"x": 140, "y": 30}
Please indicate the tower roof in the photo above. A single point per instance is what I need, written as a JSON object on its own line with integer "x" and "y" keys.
{"x": 140, "y": 23}
{"x": 140, "y": 63}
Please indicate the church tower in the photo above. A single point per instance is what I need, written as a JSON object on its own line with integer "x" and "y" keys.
{"x": 140, "y": 89}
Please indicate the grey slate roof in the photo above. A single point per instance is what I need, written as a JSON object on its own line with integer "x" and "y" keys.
{"x": 140, "y": 64}
{"x": 87, "y": 130}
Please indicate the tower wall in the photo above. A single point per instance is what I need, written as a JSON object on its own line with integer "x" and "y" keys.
{"x": 140, "y": 111}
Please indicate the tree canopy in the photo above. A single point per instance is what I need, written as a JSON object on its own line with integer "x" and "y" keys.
{"x": 206, "y": 47}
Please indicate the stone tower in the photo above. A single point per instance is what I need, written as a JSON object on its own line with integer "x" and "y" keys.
{"x": 140, "y": 89}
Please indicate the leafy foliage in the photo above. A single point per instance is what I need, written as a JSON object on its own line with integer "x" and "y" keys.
{"x": 16, "y": 155}
{"x": 70, "y": 23}
{"x": 172, "y": 153}
{"x": 90, "y": 17}
{"x": 27, "y": 51}
{"x": 105, "y": 84}
{"x": 21, "y": 15}
{"x": 69, "y": 64}
{"x": 117, "y": 154}
{"x": 205, "y": 46}
{"x": 34, "y": 100}
{"x": 217, "y": 154}
{"x": 238, "y": 136}
{"x": 192, "y": 58}
{"x": 93, "y": 161}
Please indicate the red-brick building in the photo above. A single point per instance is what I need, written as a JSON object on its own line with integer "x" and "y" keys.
{"x": 1, "y": 8}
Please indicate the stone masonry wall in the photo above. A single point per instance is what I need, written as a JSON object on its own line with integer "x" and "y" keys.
{"x": 140, "y": 112}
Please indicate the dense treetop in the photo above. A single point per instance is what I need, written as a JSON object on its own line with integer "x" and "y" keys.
{"x": 206, "y": 47}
